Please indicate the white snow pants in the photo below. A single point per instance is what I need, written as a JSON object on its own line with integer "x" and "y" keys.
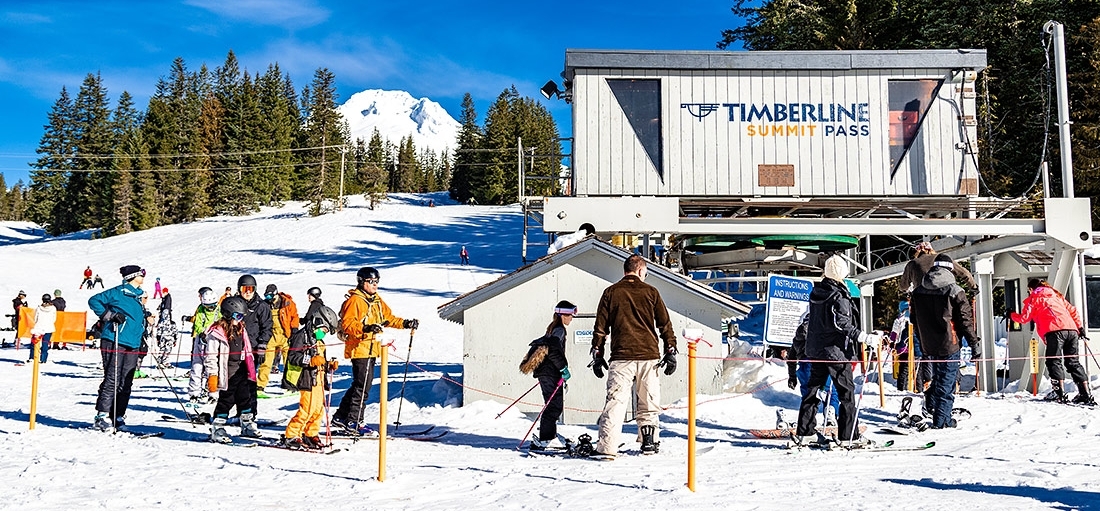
{"x": 622, "y": 377}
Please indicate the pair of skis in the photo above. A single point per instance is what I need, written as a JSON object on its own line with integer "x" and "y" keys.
{"x": 888, "y": 446}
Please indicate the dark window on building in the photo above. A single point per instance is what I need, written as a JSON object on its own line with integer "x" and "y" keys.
{"x": 641, "y": 102}
{"x": 1012, "y": 302}
{"x": 1092, "y": 298}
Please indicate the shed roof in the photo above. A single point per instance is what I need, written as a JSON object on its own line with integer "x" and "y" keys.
{"x": 779, "y": 60}
{"x": 454, "y": 310}
{"x": 1033, "y": 259}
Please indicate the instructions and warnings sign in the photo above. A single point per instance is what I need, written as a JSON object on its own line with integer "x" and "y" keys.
{"x": 788, "y": 300}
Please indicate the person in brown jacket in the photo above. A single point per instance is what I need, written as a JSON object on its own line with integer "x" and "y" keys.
{"x": 362, "y": 317}
{"x": 924, "y": 258}
{"x": 628, "y": 311}
{"x": 284, "y": 322}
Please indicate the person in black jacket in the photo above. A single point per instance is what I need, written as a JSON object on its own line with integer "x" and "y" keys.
{"x": 312, "y": 375}
{"x": 257, "y": 322}
{"x": 59, "y": 304}
{"x": 937, "y": 303}
{"x": 798, "y": 372}
{"x": 832, "y": 335}
{"x": 552, "y": 369}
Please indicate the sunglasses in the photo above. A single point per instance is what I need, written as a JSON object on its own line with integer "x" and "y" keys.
{"x": 236, "y": 316}
{"x": 371, "y": 281}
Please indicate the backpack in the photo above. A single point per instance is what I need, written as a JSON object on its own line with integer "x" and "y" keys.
{"x": 535, "y": 355}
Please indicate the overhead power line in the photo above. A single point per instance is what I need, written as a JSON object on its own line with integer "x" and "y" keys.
{"x": 180, "y": 155}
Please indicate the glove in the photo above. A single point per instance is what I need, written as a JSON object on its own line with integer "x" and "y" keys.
{"x": 976, "y": 349}
{"x": 111, "y": 317}
{"x": 212, "y": 383}
{"x": 333, "y": 365}
{"x": 373, "y": 328}
{"x": 317, "y": 361}
{"x": 862, "y": 339}
{"x": 187, "y": 319}
{"x": 669, "y": 361}
{"x": 792, "y": 382}
{"x": 565, "y": 373}
{"x": 411, "y": 324}
{"x": 598, "y": 363}
{"x": 1082, "y": 332}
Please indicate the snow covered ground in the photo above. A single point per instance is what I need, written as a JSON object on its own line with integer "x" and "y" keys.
{"x": 1015, "y": 453}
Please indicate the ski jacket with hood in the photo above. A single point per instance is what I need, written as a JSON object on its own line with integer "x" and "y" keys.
{"x": 833, "y": 330}
{"x": 44, "y": 318}
{"x": 203, "y": 319}
{"x": 936, "y": 305}
{"x": 224, "y": 355}
{"x": 359, "y": 310}
{"x": 916, "y": 269}
{"x": 288, "y": 314}
{"x": 125, "y": 300}
{"x": 303, "y": 347}
{"x": 1050, "y": 312}
{"x": 258, "y": 323}
{"x": 555, "y": 360}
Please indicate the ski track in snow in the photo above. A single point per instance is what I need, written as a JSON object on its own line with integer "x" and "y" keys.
{"x": 1015, "y": 453}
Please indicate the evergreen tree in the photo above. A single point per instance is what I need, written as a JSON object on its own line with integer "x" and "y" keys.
{"x": 125, "y": 125}
{"x": 233, "y": 196}
{"x": 324, "y": 130}
{"x": 509, "y": 120}
{"x": 279, "y": 125}
{"x": 195, "y": 182}
{"x": 57, "y": 148}
{"x": 1086, "y": 118}
{"x": 87, "y": 197}
{"x": 372, "y": 174}
{"x": 466, "y": 155}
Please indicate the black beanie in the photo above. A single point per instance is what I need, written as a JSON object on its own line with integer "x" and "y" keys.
{"x": 130, "y": 271}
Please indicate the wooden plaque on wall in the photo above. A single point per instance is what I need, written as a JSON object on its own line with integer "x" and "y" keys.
{"x": 775, "y": 175}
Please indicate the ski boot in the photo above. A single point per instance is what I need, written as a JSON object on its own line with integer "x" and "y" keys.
{"x": 781, "y": 422}
{"x": 1057, "y": 392}
{"x": 217, "y": 431}
{"x": 830, "y": 416}
{"x": 120, "y": 424}
{"x": 857, "y": 443}
{"x": 312, "y": 442}
{"x": 249, "y": 428}
{"x": 297, "y": 444}
{"x": 1084, "y": 394}
{"x": 649, "y": 446}
{"x": 101, "y": 423}
{"x": 538, "y": 445}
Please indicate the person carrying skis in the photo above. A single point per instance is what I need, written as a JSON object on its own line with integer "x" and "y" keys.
{"x": 937, "y": 306}
{"x": 832, "y": 340}
{"x": 362, "y": 317}
{"x": 547, "y": 362}
{"x": 284, "y": 322}
{"x": 231, "y": 367}
{"x": 628, "y": 312}
{"x": 123, "y": 317}
{"x": 307, "y": 352}
{"x": 167, "y": 330}
{"x": 1059, "y": 326}
{"x": 205, "y": 315}
{"x": 44, "y": 318}
{"x": 257, "y": 321}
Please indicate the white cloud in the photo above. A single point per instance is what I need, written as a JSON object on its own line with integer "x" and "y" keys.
{"x": 284, "y": 13}
{"x": 25, "y": 18}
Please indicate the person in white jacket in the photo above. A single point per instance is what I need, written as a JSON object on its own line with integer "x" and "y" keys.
{"x": 44, "y": 318}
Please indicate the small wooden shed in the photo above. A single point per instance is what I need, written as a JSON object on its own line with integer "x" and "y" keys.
{"x": 501, "y": 318}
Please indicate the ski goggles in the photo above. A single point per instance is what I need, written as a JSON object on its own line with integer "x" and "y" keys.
{"x": 236, "y": 316}
{"x": 572, "y": 311}
{"x": 248, "y": 289}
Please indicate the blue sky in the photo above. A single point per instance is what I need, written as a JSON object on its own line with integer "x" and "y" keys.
{"x": 434, "y": 49}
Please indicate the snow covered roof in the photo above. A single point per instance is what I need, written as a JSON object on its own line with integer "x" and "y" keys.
{"x": 453, "y": 310}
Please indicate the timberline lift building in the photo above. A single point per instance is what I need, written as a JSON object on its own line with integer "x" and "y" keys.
{"x": 783, "y": 146}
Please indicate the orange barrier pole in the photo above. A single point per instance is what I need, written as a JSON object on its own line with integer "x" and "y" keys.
{"x": 912, "y": 377}
{"x": 691, "y": 415}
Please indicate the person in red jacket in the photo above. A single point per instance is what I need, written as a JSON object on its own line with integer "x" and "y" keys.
{"x": 1059, "y": 325}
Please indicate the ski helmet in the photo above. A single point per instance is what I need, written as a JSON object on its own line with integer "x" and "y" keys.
{"x": 47, "y": 298}
{"x": 246, "y": 280}
{"x": 365, "y": 273}
{"x": 314, "y": 292}
{"x": 234, "y": 304}
{"x": 324, "y": 318}
{"x": 207, "y": 296}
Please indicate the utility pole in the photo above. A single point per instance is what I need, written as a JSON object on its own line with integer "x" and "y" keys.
{"x": 340, "y": 199}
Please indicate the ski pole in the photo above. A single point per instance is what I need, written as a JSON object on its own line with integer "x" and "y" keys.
{"x": 539, "y": 416}
{"x": 401, "y": 400}
{"x": 859, "y": 403}
{"x": 517, "y": 400}
{"x": 174, "y": 393}
{"x": 1089, "y": 349}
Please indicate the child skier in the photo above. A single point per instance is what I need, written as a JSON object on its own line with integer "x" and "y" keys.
{"x": 307, "y": 358}
{"x": 547, "y": 362}
{"x": 44, "y": 318}
{"x": 232, "y": 370}
{"x": 205, "y": 315}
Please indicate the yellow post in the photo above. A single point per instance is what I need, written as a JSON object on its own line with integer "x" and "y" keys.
{"x": 691, "y": 415}
{"x": 881, "y": 385}
{"x": 912, "y": 370}
{"x": 383, "y": 396}
{"x": 1033, "y": 354}
{"x": 34, "y": 380}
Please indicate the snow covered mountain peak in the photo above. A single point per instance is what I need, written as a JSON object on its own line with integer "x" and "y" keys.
{"x": 397, "y": 114}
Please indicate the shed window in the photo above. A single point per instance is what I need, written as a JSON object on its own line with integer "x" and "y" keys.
{"x": 641, "y": 102}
